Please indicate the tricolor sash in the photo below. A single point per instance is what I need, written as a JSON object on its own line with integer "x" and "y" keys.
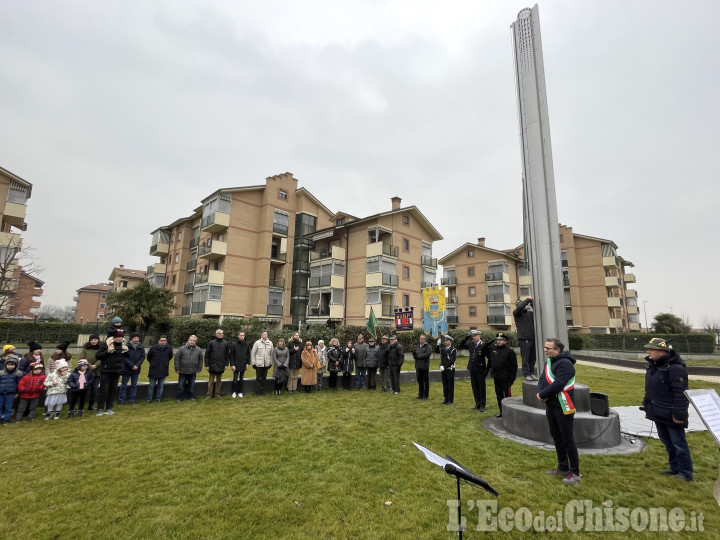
{"x": 568, "y": 407}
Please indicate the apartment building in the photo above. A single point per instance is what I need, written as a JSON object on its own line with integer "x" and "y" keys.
{"x": 483, "y": 285}
{"x": 379, "y": 262}
{"x": 15, "y": 192}
{"x": 242, "y": 253}
{"x": 91, "y": 302}
{"x": 28, "y": 289}
{"x": 126, "y": 278}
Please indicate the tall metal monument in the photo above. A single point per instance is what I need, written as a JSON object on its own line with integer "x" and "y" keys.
{"x": 542, "y": 239}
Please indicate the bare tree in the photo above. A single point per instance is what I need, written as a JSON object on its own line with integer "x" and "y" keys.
{"x": 57, "y": 313}
{"x": 15, "y": 259}
{"x": 712, "y": 325}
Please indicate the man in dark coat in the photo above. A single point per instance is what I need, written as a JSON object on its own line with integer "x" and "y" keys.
{"x": 502, "y": 361}
{"x": 384, "y": 372}
{"x": 112, "y": 358}
{"x": 188, "y": 363}
{"x": 525, "y": 324}
{"x": 360, "y": 353}
{"x": 131, "y": 369}
{"x": 295, "y": 347}
{"x": 478, "y": 370}
{"x": 422, "y": 354}
{"x": 556, "y": 390}
{"x": 665, "y": 403}
{"x": 396, "y": 357}
{"x": 371, "y": 363}
{"x": 239, "y": 362}
{"x": 448, "y": 354}
{"x": 158, "y": 358}
{"x": 217, "y": 357}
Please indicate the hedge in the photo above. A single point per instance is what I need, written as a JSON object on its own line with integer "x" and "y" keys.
{"x": 695, "y": 342}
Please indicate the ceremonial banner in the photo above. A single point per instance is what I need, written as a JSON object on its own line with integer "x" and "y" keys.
{"x": 404, "y": 319}
{"x": 434, "y": 320}
{"x": 372, "y": 323}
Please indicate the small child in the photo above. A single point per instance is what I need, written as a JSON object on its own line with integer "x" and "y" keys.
{"x": 9, "y": 378}
{"x": 56, "y": 385}
{"x": 8, "y": 352}
{"x": 79, "y": 383}
{"x": 30, "y": 389}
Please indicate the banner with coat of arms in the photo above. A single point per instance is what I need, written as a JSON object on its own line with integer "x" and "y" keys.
{"x": 434, "y": 319}
{"x": 404, "y": 319}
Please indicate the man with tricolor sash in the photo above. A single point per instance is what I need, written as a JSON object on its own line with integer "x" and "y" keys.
{"x": 556, "y": 390}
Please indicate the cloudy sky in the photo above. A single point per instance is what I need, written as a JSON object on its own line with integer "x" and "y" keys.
{"x": 125, "y": 114}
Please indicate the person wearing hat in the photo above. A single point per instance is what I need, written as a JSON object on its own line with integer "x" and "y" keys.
{"x": 383, "y": 363}
{"x": 448, "y": 354}
{"x": 371, "y": 363}
{"x": 88, "y": 353}
{"x": 8, "y": 352}
{"x": 396, "y": 357}
{"x": 525, "y": 324}
{"x": 79, "y": 382}
{"x": 34, "y": 355}
{"x": 502, "y": 362}
{"x": 665, "y": 403}
{"x": 131, "y": 369}
{"x": 9, "y": 378}
{"x": 478, "y": 370}
{"x": 422, "y": 354}
{"x": 59, "y": 354}
{"x": 112, "y": 360}
{"x": 30, "y": 388}
{"x": 360, "y": 354}
{"x": 115, "y": 325}
{"x": 56, "y": 388}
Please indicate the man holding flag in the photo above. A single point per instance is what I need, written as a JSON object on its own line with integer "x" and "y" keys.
{"x": 556, "y": 389}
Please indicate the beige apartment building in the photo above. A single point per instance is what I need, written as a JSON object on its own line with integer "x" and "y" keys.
{"x": 379, "y": 262}
{"x": 483, "y": 285}
{"x": 126, "y": 278}
{"x": 15, "y": 192}
{"x": 91, "y": 303}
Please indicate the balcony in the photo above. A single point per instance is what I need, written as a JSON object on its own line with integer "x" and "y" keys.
{"x": 215, "y": 222}
{"x": 156, "y": 280}
{"x": 629, "y": 278}
{"x": 10, "y": 240}
{"x": 14, "y": 214}
{"x": 428, "y": 261}
{"x": 185, "y": 311}
{"x": 451, "y": 301}
{"x": 277, "y": 257}
{"x": 615, "y": 323}
{"x": 634, "y": 326}
{"x": 157, "y": 268}
{"x": 334, "y": 281}
{"x": 566, "y": 281}
{"x": 452, "y": 319}
{"x": 630, "y": 293}
{"x": 217, "y": 250}
{"x": 612, "y": 282}
{"x": 275, "y": 310}
{"x": 499, "y": 320}
{"x": 449, "y": 281}
{"x": 191, "y": 265}
{"x": 282, "y": 230}
{"x": 381, "y": 310}
{"x": 278, "y": 283}
{"x": 427, "y": 285}
{"x": 189, "y": 288}
{"x": 610, "y": 262}
{"x": 206, "y": 308}
{"x": 194, "y": 242}
{"x": 159, "y": 250}
{"x": 496, "y": 298}
{"x": 614, "y": 301}
{"x": 632, "y": 309}
{"x": 213, "y": 277}
{"x": 335, "y": 252}
{"x": 497, "y": 276}
{"x": 378, "y": 279}
{"x": 377, "y": 249}
{"x": 334, "y": 311}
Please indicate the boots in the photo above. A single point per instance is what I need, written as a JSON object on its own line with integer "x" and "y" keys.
{"x": 80, "y": 413}
{"x": 71, "y": 414}
{"x": 56, "y": 416}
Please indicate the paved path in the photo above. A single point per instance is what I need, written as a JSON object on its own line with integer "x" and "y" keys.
{"x": 707, "y": 378}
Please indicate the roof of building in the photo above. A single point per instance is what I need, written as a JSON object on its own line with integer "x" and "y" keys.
{"x": 15, "y": 177}
{"x": 36, "y": 280}
{"x": 477, "y": 246}
{"x": 103, "y": 287}
{"x": 122, "y": 272}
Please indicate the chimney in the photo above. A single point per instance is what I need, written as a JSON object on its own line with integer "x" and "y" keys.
{"x": 481, "y": 241}
{"x": 396, "y": 203}
{"x": 122, "y": 266}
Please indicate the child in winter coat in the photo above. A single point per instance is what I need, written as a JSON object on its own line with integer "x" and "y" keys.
{"x": 8, "y": 352}
{"x": 34, "y": 355}
{"x": 30, "y": 388}
{"x": 56, "y": 385}
{"x": 9, "y": 378}
{"x": 60, "y": 354}
{"x": 79, "y": 383}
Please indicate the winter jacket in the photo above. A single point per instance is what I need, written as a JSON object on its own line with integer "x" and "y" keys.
{"x": 112, "y": 358}
{"x": 158, "y": 358}
{"x": 666, "y": 380}
{"x": 295, "y": 347}
{"x": 261, "y": 355}
{"x": 322, "y": 356}
{"x": 281, "y": 357}
{"x": 56, "y": 383}
{"x": 335, "y": 358}
{"x": 524, "y": 320}
{"x": 28, "y": 359}
{"x": 383, "y": 355}
{"x": 240, "y": 355}
{"x": 31, "y": 386}
{"x": 422, "y": 354}
{"x": 564, "y": 370}
{"x": 88, "y": 353}
{"x": 309, "y": 371}
{"x": 112, "y": 329}
{"x": 447, "y": 357}
{"x": 73, "y": 380}
{"x": 360, "y": 354}
{"x": 9, "y": 380}
{"x": 396, "y": 355}
{"x": 503, "y": 364}
{"x": 372, "y": 358}
{"x": 135, "y": 357}
{"x": 50, "y": 366}
{"x": 348, "y": 362}
{"x": 217, "y": 355}
{"x": 188, "y": 360}
{"x": 476, "y": 359}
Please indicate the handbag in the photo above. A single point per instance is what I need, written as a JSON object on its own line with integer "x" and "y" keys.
{"x": 318, "y": 365}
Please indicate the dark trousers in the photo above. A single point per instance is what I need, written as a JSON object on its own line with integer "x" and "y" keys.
{"x": 448, "y": 382}
{"x": 27, "y": 404}
{"x": 238, "y": 381}
{"x": 78, "y": 398}
{"x": 346, "y": 380}
{"x": 333, "y": 380}
{"x": 186, "y": 386}
{"x": 673, "y": 437}
{"x": 423, "y": 379}
{"x": 395, "y": 378}
{"x": 108, "y": 390}
{"x": 477, "y": 381}
{"x": 359, "y": 378}
{"x": 371, "y": 378}
{"x": 93, "y": 392}
{"x": 527, "y": 353}
{"x": 561, "y": 429}
{"x": 502, "y": 390}
{"x": 260, "y": 378}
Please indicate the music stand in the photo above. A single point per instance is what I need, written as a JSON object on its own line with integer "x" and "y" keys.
{"x": 460, "y": 472}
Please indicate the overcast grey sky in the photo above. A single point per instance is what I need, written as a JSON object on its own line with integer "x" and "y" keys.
{"x": 124, "y": 114}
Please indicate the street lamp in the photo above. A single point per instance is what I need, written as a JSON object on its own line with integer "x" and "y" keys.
{"x": 647, "y": 328}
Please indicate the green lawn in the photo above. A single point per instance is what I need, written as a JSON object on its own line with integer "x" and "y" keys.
{"x": 321, "y": 465}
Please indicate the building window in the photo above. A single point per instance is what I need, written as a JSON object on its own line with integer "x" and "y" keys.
{"x": 172, "y": 236}
{"x": 470, "y": 253}
{"x": 103, "y": 295}
{"x": 123, "y": 284}
{"x": 282, "y": 194}
{"x": 406, "y": 272}
{"x": 340, "y": 221}
{"x": 406, "y": 244}
{"x": 471, "y": 270}
{"x": 472, "y": 311}
{"x": 406, "y": 300}
{"x": 177, "y": 257}
{"x": 174, "y": 279}
{"x": 471, "y": 291}
{"x": 220, "y": 237}
{"x": 281, "y": 222}
{"x": 100, "y": 315}
{"x": 179, "y": 235}
{"x": 406, "y": 220}
{"x": 102, "y": 305}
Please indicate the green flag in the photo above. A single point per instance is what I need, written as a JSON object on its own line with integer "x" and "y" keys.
{"x": 372, "y": 323}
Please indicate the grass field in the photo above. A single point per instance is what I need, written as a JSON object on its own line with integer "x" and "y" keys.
{"x": 321, "y": 465}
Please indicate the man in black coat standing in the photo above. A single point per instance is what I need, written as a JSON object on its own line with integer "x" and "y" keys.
{"x": 478, "y": 370}
{"x": 502, "y": 361}
{"x": 239, "y": 362}
{"x": 525, "y": 324}
{"x": 396, "y": 357}
{"x": 112, "y": 358}
{"x": 158, "y": 357}
{"x": 422, "y": 354}
{"x": 217, "y": 355}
